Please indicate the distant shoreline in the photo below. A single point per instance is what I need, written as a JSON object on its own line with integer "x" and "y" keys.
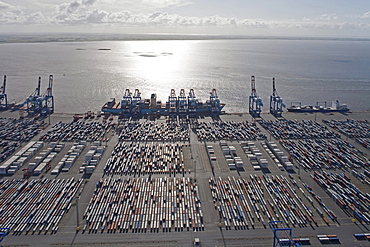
{"x": 75, "y": 37}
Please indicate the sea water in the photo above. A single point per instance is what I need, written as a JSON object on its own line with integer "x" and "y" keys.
{"x": 87, "y": 74}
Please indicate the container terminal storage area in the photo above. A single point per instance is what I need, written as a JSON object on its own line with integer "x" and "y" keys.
{"x": 300, "y": 179}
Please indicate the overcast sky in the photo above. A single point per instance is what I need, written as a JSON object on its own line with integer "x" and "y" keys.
{"x": 334, "y": 18}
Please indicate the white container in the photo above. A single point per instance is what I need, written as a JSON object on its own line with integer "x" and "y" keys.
{"x": 263, "y": 163}
{"x": 12, "y": 171}
{"x": 284, "y": 158}
{"x": 252, "y": 157}
{"x": 68, "y": 164}
{"x": 256, "y": 168}
{"x": 229, "y": 161}
{"x": 239, "y": 164}
{"x": 93, "y": 162}
{"x": 32, "y": 166}
{"x": 55, "y": 171}
{"x": 232, "y": 166}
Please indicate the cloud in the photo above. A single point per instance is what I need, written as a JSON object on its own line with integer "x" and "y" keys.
{"x": 4, "y": 6}
{"x": 366, "y": 15}
{"x": 10, "y": 14}
{"x": 328, "y": 17}
{"x": 84, "y": 13}
{"x": 159, "y": 4}
{"x": 75, "y": 6}
{"x": 36, "y": 18}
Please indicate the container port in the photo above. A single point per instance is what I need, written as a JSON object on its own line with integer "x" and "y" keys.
{"x": 156, "y": 182}
{"x": 99, "y": 179}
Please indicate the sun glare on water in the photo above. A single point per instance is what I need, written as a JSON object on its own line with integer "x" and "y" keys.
{"x": 160, "y": 63}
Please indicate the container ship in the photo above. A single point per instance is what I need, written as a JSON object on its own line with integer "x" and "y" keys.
{"x": 182, "y": 105}
{"x": 336, "y": 107}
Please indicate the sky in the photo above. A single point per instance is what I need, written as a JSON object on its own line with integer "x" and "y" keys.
{"x": 318, "y": 18}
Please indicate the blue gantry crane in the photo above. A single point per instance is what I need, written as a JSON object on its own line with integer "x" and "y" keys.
{"x": 276, "y": 102}
{"x": 136, "y": 103}
{"x": 126, "y": 103}
{"x": 3, "y": 233}
{"x": 37, "y": 103}
{"x": 182, "y": 103}
{"x": 255, "y": 102}
{"x": 48, "y": 99}
{"x": 33, "y": 102}
{"x": 172, "y": 101}
{"x": 3, "y": 97}
{"x": 192, "y": 104}
{"x": 214, "y": 103}
{"x": 282, "y": 235}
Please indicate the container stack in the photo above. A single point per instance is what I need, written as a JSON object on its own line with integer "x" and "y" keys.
{"x": 16, "y": 161}
{"x": 129, "y": 158}
{"x": 254, "y": 155}
{"x": 153, "y": 131}
{"x": 228, "y": 130}
{"x": 141, "y": 205}
{"x": 252, "y": 203}
{"x": 69, "y": 159}
{"x": 43, "y": 161}
{"x": 347, "y": 196}
{"x": 325, "y": 154}
{"x": 92, "y": 158}
{"x": 233, "y": 161}
{"x": 36, "y": 206}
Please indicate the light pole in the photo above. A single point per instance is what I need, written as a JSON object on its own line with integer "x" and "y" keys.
{"x": 195, "y": 169}
{"x": 77, "y": 216}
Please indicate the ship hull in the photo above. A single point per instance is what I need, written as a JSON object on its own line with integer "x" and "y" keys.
{"x": 317, "y": 110}
{"x": 161, "y": 111}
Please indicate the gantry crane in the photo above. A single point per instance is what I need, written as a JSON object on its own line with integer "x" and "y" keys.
{"x": 172, "y": 101}
{"x": 40, "y": 104}
{"x": 255, "y": 102}
{"x": 282, "y": 235}
{"x": 182, "y": 103}
{"x": 48, "y": 99}
{"x": 276, "y": 102}
{"x": 192, "y": 104}
{"x": 214, "y": 104}
{"x": 34, "y": 101}
{"x": 4, "y": 232}
{"x": 135, "y": 104}
{"x": 126, "y": 103}
{"x": 3, "y": 96}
